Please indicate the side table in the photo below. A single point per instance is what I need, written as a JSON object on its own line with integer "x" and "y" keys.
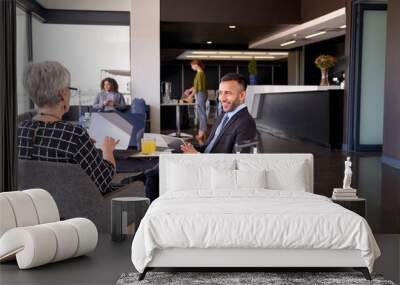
{"x": 357, "y": 205}
{"x": 126, "y": 214}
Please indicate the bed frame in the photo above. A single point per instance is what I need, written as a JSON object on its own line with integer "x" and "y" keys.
{"x": 246, "y": 258}
{"x": 256, "y": 258}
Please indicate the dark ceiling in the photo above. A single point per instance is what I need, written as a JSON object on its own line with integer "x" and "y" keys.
{"x": 194, "y": 35}
{"x": 187, "y": 24}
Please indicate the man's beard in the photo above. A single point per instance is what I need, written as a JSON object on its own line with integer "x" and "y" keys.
{"x": 233, "y": 106}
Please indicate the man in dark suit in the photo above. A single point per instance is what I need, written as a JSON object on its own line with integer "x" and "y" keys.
{"x": 233, "y": 126}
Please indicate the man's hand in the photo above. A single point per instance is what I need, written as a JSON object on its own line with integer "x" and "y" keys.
{"x": 188, "y": 148}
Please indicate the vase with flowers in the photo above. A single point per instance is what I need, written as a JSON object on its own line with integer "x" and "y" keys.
{"x": 324, "y": 62}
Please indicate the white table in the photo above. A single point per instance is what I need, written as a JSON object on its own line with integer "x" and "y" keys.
{"x": 178, "y": 118}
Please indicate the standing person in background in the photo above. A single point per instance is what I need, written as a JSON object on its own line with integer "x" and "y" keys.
{"x": 200, "y": 91}
{"x": 109, "y": 98}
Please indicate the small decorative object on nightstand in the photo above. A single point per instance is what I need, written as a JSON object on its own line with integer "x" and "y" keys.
{"x": 347, "y": 196}
{"x": 357, "y": 205}
{"x": 347, "y": 192}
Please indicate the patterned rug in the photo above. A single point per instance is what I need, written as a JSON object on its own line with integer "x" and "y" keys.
{"x": 243, "y": 278}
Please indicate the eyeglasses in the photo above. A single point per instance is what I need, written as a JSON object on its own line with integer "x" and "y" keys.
{"x": 74, "y": 91}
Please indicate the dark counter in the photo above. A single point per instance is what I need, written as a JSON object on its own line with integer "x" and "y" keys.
{"x": 315, "y": 116}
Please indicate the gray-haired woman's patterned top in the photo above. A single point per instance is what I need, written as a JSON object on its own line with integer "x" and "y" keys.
{"x": 63, "y": 142}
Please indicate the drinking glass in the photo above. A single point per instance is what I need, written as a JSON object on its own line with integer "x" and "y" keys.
{"x": 148, "y": 145}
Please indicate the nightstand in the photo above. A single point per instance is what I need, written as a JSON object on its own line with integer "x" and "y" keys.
{"x": 357, "y": 205}
{"x": 126, "y": 214}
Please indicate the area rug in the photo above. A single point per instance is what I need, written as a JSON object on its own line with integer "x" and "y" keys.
{"x": 243, "y": 278}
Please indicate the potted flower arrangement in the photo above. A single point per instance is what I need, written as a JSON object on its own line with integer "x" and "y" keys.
{"x": 324, "y": 62}
{"x": 252, "y": 67}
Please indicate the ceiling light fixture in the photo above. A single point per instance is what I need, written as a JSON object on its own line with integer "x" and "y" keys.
{"x": 208, "y": 54}
{"x": 204, "y": 52}
{"x": 230, "y": 52}
{"x": 343, "y": 27}
{"x": 209, "y": 42}
{"x": 196, "y": 56}
{"x": 315, "y": 35}
{"x": 232, "y": 26}
{"x": 254, "y": 53}
{"x": 287, "y": 43}
{"x": 278, "y": 53}
{"x": 242, "y": 56}
{"x": 219, "y": 56}
{"x": 264, "y": 57}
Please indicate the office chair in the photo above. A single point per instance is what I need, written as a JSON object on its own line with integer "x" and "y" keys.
{"x": 250, "y": 146}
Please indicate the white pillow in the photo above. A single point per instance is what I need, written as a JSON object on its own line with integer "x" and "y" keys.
{"x": 193, "y": 176}
{"x": 282, "y": 174}
{"x": 223, "y": 179}
{"x": 237, "y": 179}
{"x": 292, "y": 179}
{"x": 251, "y": 178}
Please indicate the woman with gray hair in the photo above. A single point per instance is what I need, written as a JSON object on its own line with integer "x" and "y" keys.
{"x": 48, "y": 138}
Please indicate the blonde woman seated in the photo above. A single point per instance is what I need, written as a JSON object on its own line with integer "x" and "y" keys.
{"x": 48, "y": 138}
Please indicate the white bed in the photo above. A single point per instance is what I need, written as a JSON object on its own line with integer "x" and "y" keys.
{"x": 203, "y": 220}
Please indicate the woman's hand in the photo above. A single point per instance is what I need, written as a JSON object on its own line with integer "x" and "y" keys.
{"x": 109, "y": 144}
{"x": 189, "y": 92}
{"x": 108, "y": 147}
{"x": 109, "y": 103}
{"x": 192, "y": 92}
{"x": 188, "y": 148}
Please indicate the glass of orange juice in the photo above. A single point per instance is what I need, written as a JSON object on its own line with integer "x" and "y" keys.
{"x": 148, "y": 145}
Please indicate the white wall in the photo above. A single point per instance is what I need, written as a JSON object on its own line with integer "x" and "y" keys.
{"x": 145, "y": 55}
{"x": 22, "y": 60}
{"x": 84, "y": 50}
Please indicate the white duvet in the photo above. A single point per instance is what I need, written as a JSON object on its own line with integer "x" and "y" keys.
{"x": 250, "y": 219}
